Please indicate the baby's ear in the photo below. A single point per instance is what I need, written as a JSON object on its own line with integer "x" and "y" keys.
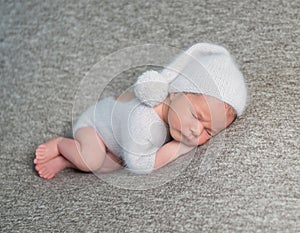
{"x": 230, "y": 112}
{"x": 227, "y": 106}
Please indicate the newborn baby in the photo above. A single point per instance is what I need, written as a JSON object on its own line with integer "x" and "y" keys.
{"x": 169, "y": 113}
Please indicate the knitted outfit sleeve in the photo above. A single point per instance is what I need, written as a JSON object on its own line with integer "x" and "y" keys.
{"x": 140, "y": 164}
{"x": 146, "y": 137}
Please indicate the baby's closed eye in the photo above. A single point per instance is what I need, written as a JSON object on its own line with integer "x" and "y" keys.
{"x": 209, "y": 132}
{"x": 195, "y": 116}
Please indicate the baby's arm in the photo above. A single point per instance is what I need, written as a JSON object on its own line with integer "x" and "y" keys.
{"x": 169, "y": 152}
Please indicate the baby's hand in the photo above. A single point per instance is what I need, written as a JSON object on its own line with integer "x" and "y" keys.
{"x": 183, "y": 148}
{"x": 169, "y": 152}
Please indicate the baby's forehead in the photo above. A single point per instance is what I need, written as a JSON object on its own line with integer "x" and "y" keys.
{"x": 207, "y": 100}
{"x": 209, "y": 103}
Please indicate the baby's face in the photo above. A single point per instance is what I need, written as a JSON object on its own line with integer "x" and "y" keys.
{"x": 194, "y": 118}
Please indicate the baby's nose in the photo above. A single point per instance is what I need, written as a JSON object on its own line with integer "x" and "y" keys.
{"x": 195, "y": 132}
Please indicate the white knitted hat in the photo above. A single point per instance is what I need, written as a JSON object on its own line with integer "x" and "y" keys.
{"x": 204, "y": 69}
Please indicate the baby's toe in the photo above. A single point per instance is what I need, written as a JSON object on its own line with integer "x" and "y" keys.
{"x": 37, "y": 167}
{"x": 41, "y": 148}
{"x": 42, "y": 171}
{"x": 49, "y": 176}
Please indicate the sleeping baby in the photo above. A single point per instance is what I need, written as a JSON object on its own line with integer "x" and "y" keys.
{"x": 200, "y": 93}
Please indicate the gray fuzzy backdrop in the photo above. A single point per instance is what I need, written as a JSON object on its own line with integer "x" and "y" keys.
{"x": 245, "y": 180}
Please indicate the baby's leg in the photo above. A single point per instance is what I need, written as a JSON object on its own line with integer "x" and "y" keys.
{"x": 47, "y": 151}
{"x": 110, "y": 164}
{"x": 49, "y": 169}
{"x": 86, "y": 152}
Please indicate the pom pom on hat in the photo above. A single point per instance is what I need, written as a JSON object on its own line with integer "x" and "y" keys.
{"x": 151, "y": 88}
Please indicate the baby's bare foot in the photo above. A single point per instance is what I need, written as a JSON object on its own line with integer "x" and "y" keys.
{"x": 47, "y": 151}
{"x": 49, "y": 169}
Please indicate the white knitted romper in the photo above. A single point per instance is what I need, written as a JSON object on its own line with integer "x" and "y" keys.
{"x": 131, "y": 130}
